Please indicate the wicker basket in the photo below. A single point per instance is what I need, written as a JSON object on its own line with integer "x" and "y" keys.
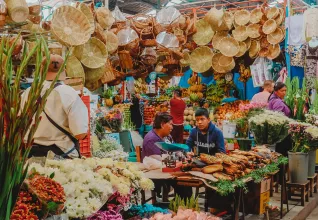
{"x": 264, "y": 42}
{"x": 111, "y": 41}
{"x": 70, "y": 26}
{"x": 74, "y": 68}
{"x": 280, "y": 18}
{"x": 242, "y": 17}
{"x": 243, "y": 49}
{"x": 240, "y": 33}
{"x": 204, "y": 33}
{"x": 148, "y": 56}
{"x": 272, "y": 12}
{"x": 269, "y": 26}
{"x": 256, "y": 15}
{"x": 92, "y": 54}
{"x": 125, "y": 59}
{"x": 248, "y": 42}
{"x": 227, "y": 22}
{"x": 89, "y": 15}
{"x": 214, "y": 17}
{"x": 109, "y": 75}
{"x": 92, "y": 86}
{"x": 217, "y": 38}
{"x": 93, "y": 75}
{"x": 229, "y": 46}
{"x": 274, "y": 51}
{"x": 254, "y": 49}
{"x": 104, "y": 17}
{"x": 276, "y": 37}
{"x": 18, "y": 10}
{"x": 253, "y": 30}
{"x": 201, "y": 59}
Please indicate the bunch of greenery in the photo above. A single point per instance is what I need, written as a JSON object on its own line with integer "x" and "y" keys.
{"x": 19, "y": 122}
{"x": 189, "y": 203}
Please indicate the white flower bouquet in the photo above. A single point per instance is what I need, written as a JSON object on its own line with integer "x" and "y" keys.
{"x": 269, "y": 127}
{"x": 88, "y": 183}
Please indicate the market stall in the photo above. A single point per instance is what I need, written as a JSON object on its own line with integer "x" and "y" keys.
{"x": 126, "y": 71}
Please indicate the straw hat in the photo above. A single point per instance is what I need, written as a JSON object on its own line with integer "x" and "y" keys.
{"x": 111, "y": 41}
{"x": 204, "y": 33}
{"x": 217, "y": 38}
{"x": 264, "y": 52}
{"x": 89, "y": 15}
{"x": 242, "y": 17}
{"x": 240, "y": 33}
{"x": 272, "y": 13}
{"x": 70, "y": 26}
{"x": 227, "y": 22}
{"x": 256, "y": 15}
{"x": 254, "y": 49}
{"x": 93, "y": 54}
{"x": 243, "y": 49}
{"x": 280, "y": 18}
{"x": 227, "y": 63}
{"x": 264, "y": 42}
{"x": 274, "y": 51}
{"x": 93, "y": 75}
{"x": 201, "y": 59}
{"x": 214, "y": 17}
{"x": 229, "y": 46}
{"x": 269, "y": 26}
{"x": 253, "y": 30}
{"x": 276, "y": 37}
{"x": 248, "y": 42}
{"x": 74, "y": 68}
{"x": 104, "y": 17}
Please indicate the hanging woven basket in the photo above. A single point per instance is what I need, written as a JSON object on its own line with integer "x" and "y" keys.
{"x": 18, "y": 10}
{"x": 254, "y": 49}
{"x": 217, "y": 39}
{"x": 104, "y": 17}
{"x": 74, "y": 68}
{"x": 274, "y": 51}
{"x": 89, "y": 15}
{"x": 256, "y": 15}
{"x": 269, "y": 26}
{"x": 240, "y": 33}
{"x": 201, "y": 59}
{"x": 70, "y": 26}
{"x": 242, "y": 50}
{"x": 229, "y": 46}
{"x": 204, "y": 33}
{"x": 242, "y": 17}
{"x": 92, "y": 54}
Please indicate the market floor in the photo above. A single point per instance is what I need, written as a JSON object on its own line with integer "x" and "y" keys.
{"x": 313, "y": 215}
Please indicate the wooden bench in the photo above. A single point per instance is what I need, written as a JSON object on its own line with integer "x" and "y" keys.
{"x": 313, "y": 184}
{"x": 293, "y": 189}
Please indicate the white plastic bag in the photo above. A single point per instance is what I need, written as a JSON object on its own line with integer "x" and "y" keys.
{"x": 151, "y": 163}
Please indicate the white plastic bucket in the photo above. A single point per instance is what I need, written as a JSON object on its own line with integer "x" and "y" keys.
{"x": 229, "y": 129}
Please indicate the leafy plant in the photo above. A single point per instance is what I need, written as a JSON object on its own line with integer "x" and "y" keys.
{"x": 107, "y": 94}
{"x": 15, "y": 119}
{"x": 191, "y": 203}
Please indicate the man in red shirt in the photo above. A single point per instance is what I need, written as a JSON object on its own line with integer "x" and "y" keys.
{"x": 177, "y": 107}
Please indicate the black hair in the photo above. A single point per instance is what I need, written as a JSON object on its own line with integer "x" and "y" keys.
{"x": 162, "y": 117}
{"x": 202, "y": 112}
{"x": 178, "y": 92}
{"x": 279, "y": 86}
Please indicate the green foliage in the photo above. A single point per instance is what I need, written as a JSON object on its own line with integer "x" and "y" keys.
{"x": 226, "y": 187}
{"x": 107, "y": 94}
{"x": 191, "y": 203}
{"x": 20, "y": 121}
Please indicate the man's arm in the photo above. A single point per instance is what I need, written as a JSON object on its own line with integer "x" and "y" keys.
{"x": 191, "y": 138}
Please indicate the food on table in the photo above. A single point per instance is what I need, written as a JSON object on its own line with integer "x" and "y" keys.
{"x": 210, "y": 159}
{"x": 230, "y": 111}
{"x": 222, "y": 176}
{"x": 149, "y": 114}
{"x": 212, "y": 168}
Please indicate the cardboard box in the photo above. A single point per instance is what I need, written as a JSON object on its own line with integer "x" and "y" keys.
{"x": 263, "y": 202}
{"x": 265, "y": 185}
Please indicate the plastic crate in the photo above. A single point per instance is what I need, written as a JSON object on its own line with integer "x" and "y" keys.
{"x": 85, "y": 144}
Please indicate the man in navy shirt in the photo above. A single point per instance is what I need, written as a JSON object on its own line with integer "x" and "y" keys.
{"x": 205, "y": 137}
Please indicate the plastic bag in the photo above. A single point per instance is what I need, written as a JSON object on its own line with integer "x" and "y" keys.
{"x": 151, "y": 163}
{"x": 136, "y": 138}
{"x": 167, "y": 40}
{"x": 118, "y": 15}
{"x": 167, "y": 16}
{"x": 125, "y": 36}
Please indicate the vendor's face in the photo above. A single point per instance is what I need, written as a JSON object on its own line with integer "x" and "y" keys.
{"x": 167, "y": 128}
{"x": 202, "y": 122}
{"x": 281, "y": 93}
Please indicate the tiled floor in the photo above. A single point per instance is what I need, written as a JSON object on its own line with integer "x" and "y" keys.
{"x": 313, "y": 215}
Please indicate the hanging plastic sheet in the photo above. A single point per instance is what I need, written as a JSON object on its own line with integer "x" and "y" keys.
{"x": 118, "y": 15}
{"x": 167, "y": 16}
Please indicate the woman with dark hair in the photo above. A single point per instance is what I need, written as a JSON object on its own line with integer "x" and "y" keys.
{"x": 276, "y": 99}
{"x": 162, "y": 127}
{"x": 276, "y": 103}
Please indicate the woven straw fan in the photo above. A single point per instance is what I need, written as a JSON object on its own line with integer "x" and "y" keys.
{"x": 201, "y": 59}
{"x": 111, "y": 41}
{"x": 89, "y": 15}
{"x": 93, "y": 75}
{"x": 70, "y": 26}
{"x": 74, "y": 68}
{"x": 217, "y": 38}
{"x": 243, "y": 49}
{"x": 229, "y": 46}
{"x": 93, "y": 54}
{"x": 204, "y": 33}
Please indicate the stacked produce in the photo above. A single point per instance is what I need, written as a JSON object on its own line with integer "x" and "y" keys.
{"x": 196, "y": 89}
{"x": 189, "y": 116}
{"x": 163, "y": 98}
{"x": 236, "y": 164}
{"x": 163, "y": 84}
{"x": 245, "y": 73}
{"x": 140, "y": 86}
{"x": 162, "y": 108}
{"x": 149, "y": 114}
{"x": 216, "y": 92}
{"x": 108, "y": 96}
{"x": 230, "y": 111}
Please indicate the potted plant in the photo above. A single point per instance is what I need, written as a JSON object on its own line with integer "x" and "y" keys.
{"x": 18, "y": 124}
{"x": 298, "y": 156}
